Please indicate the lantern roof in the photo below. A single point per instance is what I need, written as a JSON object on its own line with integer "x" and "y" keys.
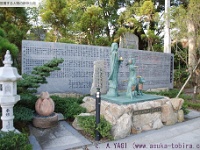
{"x": 7, "y": 72}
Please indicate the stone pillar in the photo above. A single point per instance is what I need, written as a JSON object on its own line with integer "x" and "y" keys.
{"x": 99, "y": 78}
{"x": 7, "y": 118}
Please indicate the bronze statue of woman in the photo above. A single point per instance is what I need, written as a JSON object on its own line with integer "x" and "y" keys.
{"x": 114, "y": 69}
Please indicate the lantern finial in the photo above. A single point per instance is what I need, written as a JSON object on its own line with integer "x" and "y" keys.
{"x": 7, "y": 59}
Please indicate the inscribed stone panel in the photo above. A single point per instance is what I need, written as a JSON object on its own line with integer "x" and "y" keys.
{"x": 99, "y": 78}
{"x": 129, "y": 40}
{"x": 77, "y": 69}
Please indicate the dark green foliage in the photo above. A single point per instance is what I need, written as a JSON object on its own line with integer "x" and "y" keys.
{"x": 103, "y": 41}
{"x": 6, "y": 45}
{"x": 27, "y": 100}
{"x": 15, "y": 23}
{"x": 193, "y": 105}
{"x": 158, "y": 47}
{"x": 185, "y": 108}
{"x": 189, "y": 102}
{"x": 171, "y": 93}
{"x": 14, "y": 141}
{"x": 180, "y": 76}
{"x": 30, "y": 83}
{"x": 185, "y": 104}
{"x": 23, "y": 114}
{"x": 78, "y": 100}
{"x": 88, "y": 125}
{"x": 104, "y": 128}
{"x": 24, "y": 109}
{"x": 68, "y": 106}
{"x": 2, "y": 33}
{"x": 186, "y": 97}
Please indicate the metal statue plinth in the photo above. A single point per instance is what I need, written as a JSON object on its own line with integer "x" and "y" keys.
{"x": 122, "y": 99}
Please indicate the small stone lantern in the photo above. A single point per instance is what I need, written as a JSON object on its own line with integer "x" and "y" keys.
{"x": 8, "y": 92}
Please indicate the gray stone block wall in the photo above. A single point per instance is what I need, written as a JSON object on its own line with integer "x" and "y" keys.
{"x": 77, "y": 69}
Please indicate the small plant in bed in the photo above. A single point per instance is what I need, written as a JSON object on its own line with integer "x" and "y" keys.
{"x": 14, "y": 141}
{"x": 88, "y": 125}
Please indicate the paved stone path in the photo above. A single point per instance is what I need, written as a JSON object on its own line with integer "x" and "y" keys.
{"x": 181, "y": 136}
{"x": 60, "y": 137}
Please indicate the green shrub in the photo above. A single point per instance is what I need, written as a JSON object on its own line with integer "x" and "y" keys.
{"x": 189, "y": 102}
{"x": 180, "y": 76}
{"x": 2, "y": 33}
{"x": 27, "y": 100}
{"x": 14, "y": 141}
{"x": 194, "y": 105}
{"x": 186, "y": 97}
{"x": 185, "y": 108}
{"x": 23, "y": 114}
{"x": 68, "y": 106}
{"x": 25, "y": 108}
{"x": 171, "y": 93}
{"x": 6, "y": 45}
{"x": 88, "y": 125}
{"x": 198, "y": 97}
{"x": 104, "y": 128}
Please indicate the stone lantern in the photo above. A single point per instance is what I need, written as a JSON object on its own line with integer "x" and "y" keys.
{"x": 8, "y": 92}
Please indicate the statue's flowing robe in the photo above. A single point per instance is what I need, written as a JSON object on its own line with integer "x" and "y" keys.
{"x": 114, "y": 63}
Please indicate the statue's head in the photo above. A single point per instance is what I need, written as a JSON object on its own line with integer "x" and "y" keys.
{"x": 131, "y": 61}
{"x": 114, "y": 46}
{"x": 141, "y": 80}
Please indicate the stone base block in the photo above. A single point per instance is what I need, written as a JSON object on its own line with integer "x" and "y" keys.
{"x": 45, "y": 122}
{"x": 138, "y": 117}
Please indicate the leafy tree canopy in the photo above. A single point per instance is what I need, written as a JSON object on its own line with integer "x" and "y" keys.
{"x": 6, "y": 45}
{"x": 15, "y": 23}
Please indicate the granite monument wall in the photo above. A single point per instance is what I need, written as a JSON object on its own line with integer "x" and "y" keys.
{"x": 77, "y": 69}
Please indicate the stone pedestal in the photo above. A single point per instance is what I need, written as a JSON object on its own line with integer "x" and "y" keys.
{"x": 137, "y": 117}
{"x": 45, "y": 122}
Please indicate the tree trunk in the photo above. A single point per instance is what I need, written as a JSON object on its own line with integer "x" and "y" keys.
{"x": 192, "y": 54}
{"x": 149, "y": 47}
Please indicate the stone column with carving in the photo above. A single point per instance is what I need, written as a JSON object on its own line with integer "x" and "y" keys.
{"x": 99, "y": 78}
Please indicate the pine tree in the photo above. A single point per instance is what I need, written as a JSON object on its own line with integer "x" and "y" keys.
{"x": 30, "y": 83}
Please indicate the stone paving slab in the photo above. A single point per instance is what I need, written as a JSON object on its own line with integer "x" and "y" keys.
{"x": 185, "y": 135}
{"x": 61, "y": 137}
{"x": 192, "y": 114}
